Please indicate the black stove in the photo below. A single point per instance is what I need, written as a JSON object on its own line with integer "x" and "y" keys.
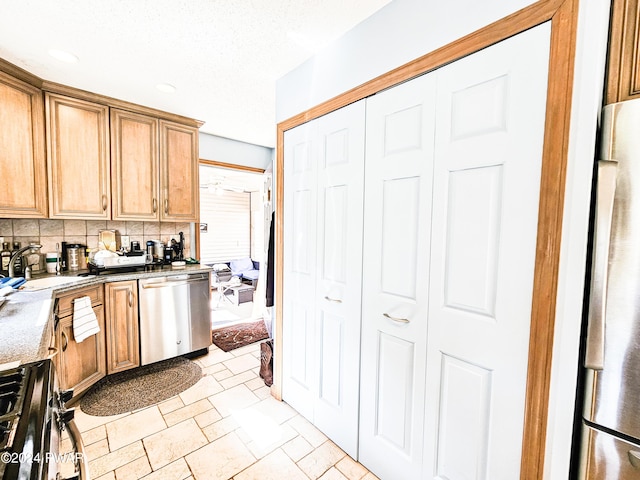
{"x": 32, "y": 417}
{"x": 11, "y": 400}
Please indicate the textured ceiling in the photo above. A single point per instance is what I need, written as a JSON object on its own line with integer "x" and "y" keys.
{"x": 223, "y": 56}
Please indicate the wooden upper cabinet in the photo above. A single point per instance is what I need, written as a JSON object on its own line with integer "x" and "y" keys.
{"x": 623, "y": 75}
{"x": 78, "y": 158}
{"x": 178, "y": 172}
{"x": 22, "y": 151}
{"x": 134, "y": 166}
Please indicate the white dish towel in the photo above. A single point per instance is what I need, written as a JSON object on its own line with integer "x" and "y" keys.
{"x": 85, "y": 322}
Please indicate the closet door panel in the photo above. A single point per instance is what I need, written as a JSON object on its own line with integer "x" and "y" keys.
{"x": 489, "y": 135}
{"x": 324, "y": 178}
{"x": 398, "y": 178}
{"x": 339, "y": 270}
{"x": 299, "y": 387}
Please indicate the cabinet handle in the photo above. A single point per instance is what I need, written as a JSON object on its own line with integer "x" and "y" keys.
{"x": 130, "y": 298}
{"x": 155, "y": 205}
{"x": 166, "y": 206}
{"x": 65, "y": 342}
{"x": 334, "y": 300}
{"x": 396, "y": 319}
{"x": 104, "y": 203}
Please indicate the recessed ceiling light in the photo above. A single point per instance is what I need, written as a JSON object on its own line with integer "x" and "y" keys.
{"x": 63, "y": 56}
{"x": 166, "y": 87}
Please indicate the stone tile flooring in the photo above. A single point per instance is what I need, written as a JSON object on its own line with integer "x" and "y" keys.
{"x": 225, "y": 427}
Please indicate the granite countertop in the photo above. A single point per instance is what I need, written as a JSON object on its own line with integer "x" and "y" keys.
{"x": 25, "y": 316}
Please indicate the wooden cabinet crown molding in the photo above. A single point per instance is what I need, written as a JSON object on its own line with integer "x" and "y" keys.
{"x": 20, "y": 74}
{"x": 115, "y": 103}
{"x": 48, "y": 86}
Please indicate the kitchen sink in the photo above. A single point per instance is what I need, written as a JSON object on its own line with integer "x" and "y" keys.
{"x": 49, "y": 282}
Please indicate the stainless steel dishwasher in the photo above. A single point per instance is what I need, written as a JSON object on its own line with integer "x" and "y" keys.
{"x": 174, "y": 316}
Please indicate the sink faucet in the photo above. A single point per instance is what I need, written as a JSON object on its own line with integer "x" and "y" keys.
{"x": 33, "y": 248}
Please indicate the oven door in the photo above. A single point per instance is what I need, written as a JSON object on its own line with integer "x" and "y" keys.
{"x": 70, "y": 460}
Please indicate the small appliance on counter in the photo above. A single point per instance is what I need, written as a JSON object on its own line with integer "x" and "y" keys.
{"x": 105, "y": 261}
{"x": 76, "y": 257}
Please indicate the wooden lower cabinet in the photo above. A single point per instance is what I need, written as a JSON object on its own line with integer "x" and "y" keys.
{"x": 123, "y": 345}
{"x": 79, "y": 365}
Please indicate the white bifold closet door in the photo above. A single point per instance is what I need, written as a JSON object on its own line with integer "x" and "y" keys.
{"x": 490, "y": 118}
{"x": 324, "y": 178}
{"x": 399, "y": 170}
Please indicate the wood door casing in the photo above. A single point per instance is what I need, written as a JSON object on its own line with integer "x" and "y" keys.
{"x": 123, "y": 340}
{"x": 134, "y": 166}
{"x": 22, "y": 140}
{"x": 179, "y": 188}
{"x": 78, "y": 158}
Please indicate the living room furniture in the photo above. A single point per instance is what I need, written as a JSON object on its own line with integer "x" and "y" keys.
{"x": 246, "y": 269}
{"x": 241, "y": 294}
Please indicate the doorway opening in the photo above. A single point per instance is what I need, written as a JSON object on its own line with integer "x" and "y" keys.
{"x": 234, "y": 216}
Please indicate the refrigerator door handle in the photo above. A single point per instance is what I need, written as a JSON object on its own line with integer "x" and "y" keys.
{"x": 606, "y": 188}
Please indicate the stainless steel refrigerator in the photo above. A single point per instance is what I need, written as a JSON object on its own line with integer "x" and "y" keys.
{"x": 611, "y": 417}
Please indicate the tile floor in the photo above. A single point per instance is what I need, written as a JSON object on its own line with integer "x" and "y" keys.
{"x": 225, "y": 427}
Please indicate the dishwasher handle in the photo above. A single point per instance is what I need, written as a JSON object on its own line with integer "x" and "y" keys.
{"x": 173, "y": 283}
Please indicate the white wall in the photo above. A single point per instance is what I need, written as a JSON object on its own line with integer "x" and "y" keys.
{"x": 398, "y": 33}
{"x": 407, "y": 29}
{"x": 235, "y": 152}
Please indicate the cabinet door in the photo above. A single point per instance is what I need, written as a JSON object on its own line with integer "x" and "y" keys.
{"x": 623, "y": 70}
{"x": 22, "y": 161}
{"x": 134, "y": 166}
{"x": 78, "y": 158}
{"x": 81, "y": 364}
{"x": 123, "y": 344}
{"x": 179, "y": 187}
{"x": 398, "y": 179}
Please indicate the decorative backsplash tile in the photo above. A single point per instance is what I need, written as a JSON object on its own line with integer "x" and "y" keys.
{"x": 48, "y": 232}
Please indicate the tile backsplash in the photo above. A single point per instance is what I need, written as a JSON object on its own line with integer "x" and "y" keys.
{"x": 85, "y": 232}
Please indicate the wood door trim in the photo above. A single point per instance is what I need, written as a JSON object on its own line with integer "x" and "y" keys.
{"x": 245, "y": 168}
{"x": 232, "y": 166}
{"x": 563, "y": 15}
